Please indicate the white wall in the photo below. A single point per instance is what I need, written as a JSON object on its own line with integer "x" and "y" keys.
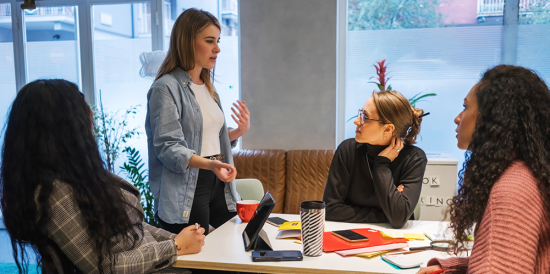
{"x": 288, "y": 73}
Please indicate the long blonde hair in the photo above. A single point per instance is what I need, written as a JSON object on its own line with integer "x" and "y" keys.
{"x": 181, "y": 52}
{"x": 395, "y": 109}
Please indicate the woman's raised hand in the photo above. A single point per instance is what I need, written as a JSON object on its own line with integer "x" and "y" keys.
{"x": 392, "y": 151}
{"x": 190, "y": 240}
{"x": 241, "y": 117}
{"x": 225, "y": 172}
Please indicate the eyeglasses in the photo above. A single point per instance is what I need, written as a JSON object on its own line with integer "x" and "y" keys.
{"x": 364, "y": 117}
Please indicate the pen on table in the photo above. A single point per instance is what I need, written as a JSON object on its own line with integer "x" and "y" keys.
{"x": 420, "y": 248}
{"x": 438, "y": 271}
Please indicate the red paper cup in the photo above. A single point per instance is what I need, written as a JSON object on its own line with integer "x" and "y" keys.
{"x": 246, "y": 209}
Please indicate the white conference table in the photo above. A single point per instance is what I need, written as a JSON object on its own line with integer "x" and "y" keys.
{"x": 224, "y": 250}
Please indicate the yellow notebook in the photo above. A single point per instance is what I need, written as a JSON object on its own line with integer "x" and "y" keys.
{"x": 289, "y": 230}
{"x": 291, "y": 225}
{"x": 371, "y": 255}
{"x": 391, "y": 235}
{"x": 413, "y": 236}
{"x": 395, "y": 235}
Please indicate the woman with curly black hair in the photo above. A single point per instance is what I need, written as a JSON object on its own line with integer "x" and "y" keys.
{"x": 504, "y": 194}
{"x": 58, "y": 198}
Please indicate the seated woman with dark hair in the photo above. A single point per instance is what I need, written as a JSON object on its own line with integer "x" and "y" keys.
{"x": 377, "y": 177}
{"x": 57, "y": 196}
{"x": 504, "y": 194}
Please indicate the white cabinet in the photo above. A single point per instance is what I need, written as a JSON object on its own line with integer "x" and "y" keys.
{"x": 438, "y": 186}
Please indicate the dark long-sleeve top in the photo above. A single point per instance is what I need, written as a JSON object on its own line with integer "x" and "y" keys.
{"x": 351, "y": 194}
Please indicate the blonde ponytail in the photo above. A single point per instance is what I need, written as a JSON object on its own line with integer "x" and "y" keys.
{"x": 394, "y": 108}
{"x": 414, "y": 129}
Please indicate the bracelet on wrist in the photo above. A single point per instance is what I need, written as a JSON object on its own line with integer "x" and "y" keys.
{"x": 177, "y": 247}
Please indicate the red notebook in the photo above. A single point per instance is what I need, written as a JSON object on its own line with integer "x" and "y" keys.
{"x": 332, "y": 243}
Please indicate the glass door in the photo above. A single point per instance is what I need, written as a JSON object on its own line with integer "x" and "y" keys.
{"x": 121, "y": 33}
{"x": 7, "y": 66}
{"x": 51, "y": 40}
{"x": 227, "y": 72}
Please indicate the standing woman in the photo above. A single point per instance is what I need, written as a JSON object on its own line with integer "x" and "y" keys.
{"x": 190, "y": 163}
{"x": 377, "y": 177}
{"x": 504, "y": 194}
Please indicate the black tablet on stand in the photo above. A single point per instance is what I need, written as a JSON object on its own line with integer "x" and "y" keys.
{"x": 254, "y": 237}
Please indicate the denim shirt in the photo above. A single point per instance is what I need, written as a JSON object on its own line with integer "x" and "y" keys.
{"x": 174, "y": 126}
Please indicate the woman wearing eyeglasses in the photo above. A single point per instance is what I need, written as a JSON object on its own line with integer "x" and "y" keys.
{"x": 377, "y": 176}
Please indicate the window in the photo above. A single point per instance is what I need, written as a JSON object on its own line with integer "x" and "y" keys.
{"x": 226, "y": 80}
{"x": 105, "y": 58}
{"x": 7, "y": 70}
{"x": 121, "y": 33}
{"x": 7, "y": 67}
{"x": 52, "y": 44}
{"x": 533, "y": 36}
{"x": 438, "y": 47}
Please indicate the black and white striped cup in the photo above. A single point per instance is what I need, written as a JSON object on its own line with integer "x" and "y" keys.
{"x": 312, "y": 216}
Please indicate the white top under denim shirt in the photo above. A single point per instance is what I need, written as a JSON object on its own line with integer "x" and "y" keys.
{"x": 174, "y": 130}
{"x": 212, "y": 120}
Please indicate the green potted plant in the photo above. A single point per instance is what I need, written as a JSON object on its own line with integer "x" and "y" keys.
{"x": 139, "y": 176}
{"x": 112, "y": 131}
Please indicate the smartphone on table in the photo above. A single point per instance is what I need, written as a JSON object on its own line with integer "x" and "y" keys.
{"x": 350, "y": 236}
{"x": 276, "y": 221}
{"x": 275, "y": 256}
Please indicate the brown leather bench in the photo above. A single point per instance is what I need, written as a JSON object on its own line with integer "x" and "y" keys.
{"x": 291, "y": 176}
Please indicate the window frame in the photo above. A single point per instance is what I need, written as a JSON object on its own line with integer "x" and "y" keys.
{"x": 85, "y": 29}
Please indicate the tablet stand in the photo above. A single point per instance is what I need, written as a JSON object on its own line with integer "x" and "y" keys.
{"x": 262, "y": 242}
{"x": 254, "y": 237}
